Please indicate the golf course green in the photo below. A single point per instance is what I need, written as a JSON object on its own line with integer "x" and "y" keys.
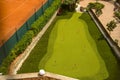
{"x": 72, "y": 52}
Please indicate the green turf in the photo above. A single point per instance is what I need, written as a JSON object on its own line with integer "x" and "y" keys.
{"x": 72, "y": 51}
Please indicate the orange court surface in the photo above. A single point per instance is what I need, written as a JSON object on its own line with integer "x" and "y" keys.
{"x": 14, "y": 13}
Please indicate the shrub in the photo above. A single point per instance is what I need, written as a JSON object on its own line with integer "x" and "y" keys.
{"x": 68, "y": 5}
{"x": 42, "y": 20}
{"x": 111, "y": 25}
{"x": 117, "y": 14}
{"x": 18, "y": 49}
{"x": 23, "y": 43}
{"x": 91, "y": 6}
{"x": 4, "y": 68}
{"x": 97, "y": 6}
{"x": 38, "y": 25}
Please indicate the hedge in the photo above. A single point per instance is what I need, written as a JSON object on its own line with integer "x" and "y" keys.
{"x": 36, "y": 27}
{"x": 42, "y": 20}
{"x": 97, "y": 6}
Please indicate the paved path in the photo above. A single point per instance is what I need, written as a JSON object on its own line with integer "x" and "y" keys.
{"x": 106, "y": 17}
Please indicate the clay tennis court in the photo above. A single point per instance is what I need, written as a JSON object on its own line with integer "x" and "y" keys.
{"x": 14, "y": 13}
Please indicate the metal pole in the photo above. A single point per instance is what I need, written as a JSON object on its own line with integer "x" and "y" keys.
{"x": 42, "y": 8}
{"x": 35, "y": 14}
{"x": 4, "y": 48}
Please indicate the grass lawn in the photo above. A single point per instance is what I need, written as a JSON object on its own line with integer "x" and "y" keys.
{"x": 73, "y": 47}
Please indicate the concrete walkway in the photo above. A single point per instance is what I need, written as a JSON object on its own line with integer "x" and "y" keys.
{"x": 31, "y": 75}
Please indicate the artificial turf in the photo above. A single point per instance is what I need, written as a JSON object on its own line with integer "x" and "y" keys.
{"x": 72, "y": 51}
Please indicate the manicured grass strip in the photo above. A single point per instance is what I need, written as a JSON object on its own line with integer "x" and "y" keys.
{"x": 72, "y": 51}
{"x": 112, "y": 64}
{"x": 32, "y": 62}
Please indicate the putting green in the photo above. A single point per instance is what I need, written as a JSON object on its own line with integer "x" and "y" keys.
{"x": 72, "y": 51}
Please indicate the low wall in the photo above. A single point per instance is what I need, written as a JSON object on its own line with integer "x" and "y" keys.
{"x": 110, "y": 41}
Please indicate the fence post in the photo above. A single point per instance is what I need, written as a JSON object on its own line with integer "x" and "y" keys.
{"x": 35, "y": 14}
{"x": 42, "y": 8}
{"x": 4, "y": 49}
{"x": 27, "y": 25}
{"x": 48, "y": 3}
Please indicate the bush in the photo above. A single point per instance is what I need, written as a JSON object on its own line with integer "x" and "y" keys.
{"x": 23, "y": 43}
{"x": 68, "y": 5}
{"x": 117, "y": 14}
{"x": 111, "y": 25}
{"x": 91, "y": 6}
{"x": 42, "y": 20}
{"x": 18, "y": 49}
{"x": 97, "y": 6}
{"x": 4, "y": 68}
{"x": 38, "y": 25}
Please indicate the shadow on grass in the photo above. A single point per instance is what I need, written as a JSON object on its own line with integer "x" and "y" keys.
{"x": 112, "y": 64}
